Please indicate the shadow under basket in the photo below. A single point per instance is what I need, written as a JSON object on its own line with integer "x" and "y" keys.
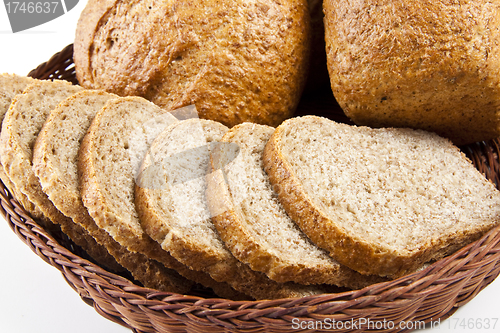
{"x": 431, "y": 294}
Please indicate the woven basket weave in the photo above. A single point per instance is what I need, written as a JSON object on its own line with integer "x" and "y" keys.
{"x": 431, "y": 294}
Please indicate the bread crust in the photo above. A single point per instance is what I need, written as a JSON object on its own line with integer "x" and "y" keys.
{"x": 250, "y": 247}
{"x": 235, "y": 60}
{"x": 10, "y": 86}
{"x": 214, "y": 260}
{"x": 61, "y": 186}
{"x": 427, "y": 64}
{"x": 172, "y": 239}
{"x": 349, "y": 249}
{"x": 18, "y": 135}
{"x": 94, "y": 199}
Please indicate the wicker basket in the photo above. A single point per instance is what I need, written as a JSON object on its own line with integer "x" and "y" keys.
{"x": 431, "y": 294}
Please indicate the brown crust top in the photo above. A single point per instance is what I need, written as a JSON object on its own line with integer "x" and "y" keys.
{"x": 432, "y": 65}
{"x": 235, "y": 60}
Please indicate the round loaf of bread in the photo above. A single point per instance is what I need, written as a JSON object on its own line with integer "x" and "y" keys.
{"x": 432, "y": 65}
{"x": 235, "y": 60}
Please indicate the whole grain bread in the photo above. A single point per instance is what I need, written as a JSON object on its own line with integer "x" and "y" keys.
{"x": 381, "y": 201}
{"x": 431, "y": 65}
{"x": 171, "y": 202}
{"x": 20, "y": 128}
{"x": 108, "y": 160}
{"x": 235, "y": 60}
{"x": 55, "y": 164}
{"x": 10, "y": 86}
{"x": 253, "y": 224}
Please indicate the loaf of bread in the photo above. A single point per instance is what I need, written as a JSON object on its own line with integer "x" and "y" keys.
{"x": 432, "y": 65}
{"x": 235, "y": 60}
{"x": 253, "y": 224}
{"x": 381, "y": 201}
{"x": 172, "y": 205}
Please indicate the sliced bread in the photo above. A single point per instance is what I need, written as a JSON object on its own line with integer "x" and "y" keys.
{"x": 381, "y": 201}
{"x": 171, "y": 202}
{"x": 10, "y": 86}
{"x": 253, "y": 224}
{"x": 108, "y": 160}
{"x": 20, "y": 128}
{"x": 55, "y": 164}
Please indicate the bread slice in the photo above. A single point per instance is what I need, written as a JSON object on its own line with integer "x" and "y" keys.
{"x": 171, "y": 202}
{"x": 20, "y": 128}
{"x": 381, "y": 201}
{"x": 55, "y": 164}
{"x": 108, "y": 160}
{"x": 10, "y": 86}
{"x": 253, "y": 224}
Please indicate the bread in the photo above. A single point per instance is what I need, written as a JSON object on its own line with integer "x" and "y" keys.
{"x": 56, "y": 148}
{"x": 108, "y": 161}
{"x": 431, "y": 65}
{"x": 10, "y": 86}
{"x": 171, "y": 202}
{"x": 381, "y": 201}
{"x": 253, "y": 224}
{"x": 55, "y": 164}
{"x": 235, "y": 60}
{"x": 170, "y": 197}
{"x": 20, "y": 129}
{"x": 109, "y": 156}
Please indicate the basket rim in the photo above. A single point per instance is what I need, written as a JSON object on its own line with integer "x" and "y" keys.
{"x": 456, "y": 278}
{"x": 86, "y": 278}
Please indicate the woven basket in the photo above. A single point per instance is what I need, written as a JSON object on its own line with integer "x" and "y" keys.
{"x": 431, "y": 294}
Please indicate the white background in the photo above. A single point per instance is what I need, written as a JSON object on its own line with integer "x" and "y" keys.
{"x": 34, "y": 297}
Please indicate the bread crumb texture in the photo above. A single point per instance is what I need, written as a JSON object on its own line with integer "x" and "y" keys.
{"x": 113, "y": 147}
{"x": 172, "y": 179}
{"x": 397, "y": 194}
{"x": 256, "y": 228}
